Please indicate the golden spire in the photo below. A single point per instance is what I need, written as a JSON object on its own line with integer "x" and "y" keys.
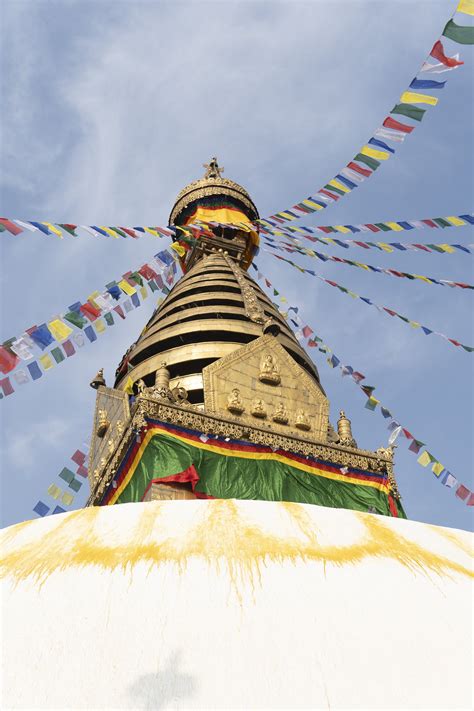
{"x": 212, "y": 169}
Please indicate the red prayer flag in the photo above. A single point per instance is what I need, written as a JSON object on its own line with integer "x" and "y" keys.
{"x": 311, "y": 343}
{"x": 407, "y": 434}
{"x": 373, "y": 228}
{"x": 147, "y": 272}
{"x": 8, "y": 360}
{"x": 391, "y": 123}
{"x": 10, "y": 226}
{"x": 358, "y": 376}
{"x": 430, "y": 223}
{"x": 331, "y": 195}
{"x": 6, "y": 386}
{"x": 438, "y": 53}
{"x": 128, "y": 231}
{"x": 359, "y": 169}
{"x": 389, "y": 311}
{"x": 78, "y": 457}
{"x": 462, "y": 492}
{"x": 89, "y": 311}
{"x": 470, "y": 501}
{"x": 119, "y": 310}
{"x": 362, "y": 244}
{"x": 307, "y": 331}
{"x": 82, "y": 471}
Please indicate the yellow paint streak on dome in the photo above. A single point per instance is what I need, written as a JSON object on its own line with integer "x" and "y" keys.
{"x": 221, "y": 535}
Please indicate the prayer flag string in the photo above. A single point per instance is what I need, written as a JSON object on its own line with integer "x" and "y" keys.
{"x": 81, "y": 323}
{"x": 371, "y": 268}
{"x": 61, "y": 491}
{"x": 401, "y": 121}
{"x": 307, "y": 334}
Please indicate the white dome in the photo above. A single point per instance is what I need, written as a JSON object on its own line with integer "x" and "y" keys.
{"x": 235, "y": 604}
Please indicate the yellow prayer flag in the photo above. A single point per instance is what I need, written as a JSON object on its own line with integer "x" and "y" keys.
{"x": 152, "y": 232}
{"x": 437, "y": 468}
{"x": 91, "y": 298}
{"x": 456, "y": 220}
{"x": 341, "y": 228}
{"x": 46, "y": 362}
{"x": 129, "y": 386}
{"x": 67, "y": 499}
{"x": 310, "y": 203}
{"x": 447, "y": 248}
{"x": 54, "y": 491}
{"x": 144, "y": 292}
{"x": 386, "y": 247}
{"x": 126, "y": 288}
{"x": 394, "y": 226}
{"x": 54, "y": 229}
{"x": 414, "y": 324}
{"x": 354, "y": 296}
{"x": 335, "y": 183}
{"x": 283, "y": 300}
{"x": 362, "y": 266}
{"x": 178, "y": 248}
{"x": 372, "y": 153}
{"x": 99, "y": 325}
{"x": 424, "y": 459}
{"x": 59, "y": 330}
{"x": 411, "y": 97}
{"x": 286, "y": 215}
{"x": 328, "y": 240}
{"x": 109, "y": 231}
{"x": 466, "y": 6}
{"x": 423, "y": 278}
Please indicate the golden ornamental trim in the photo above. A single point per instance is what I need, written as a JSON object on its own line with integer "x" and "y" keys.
{"x": 207, "y": 188}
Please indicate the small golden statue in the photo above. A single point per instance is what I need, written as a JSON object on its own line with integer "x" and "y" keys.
{"x": 234, "y": 402}
{"x": 141, "y": 386}
{"x": 258, "y": 408}
{"x": 302, "y": 421}
{"x": 269, "y": 370}
{"x": 280, "y": 414}
{"x": 120, "y": 428}
{"x": 213, "y": 170}
{"x": 102, "y": 423}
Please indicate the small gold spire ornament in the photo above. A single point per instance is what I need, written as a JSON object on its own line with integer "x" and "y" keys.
{"x": 98, "y": 380}
{"x": 344, "y": 431}
{"x": 213, "y": 170}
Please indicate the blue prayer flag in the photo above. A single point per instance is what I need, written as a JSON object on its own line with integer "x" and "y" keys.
{"x": 406, "y": 225}
{"x": 58, "y": 509}
{"x": 346, "y": 181}
{"x": 381, "y": 144}
{"x": 115, "y": 292}
{"x": 425, "y": 330}
{"x": 135, "y": 300}
{"x": 42, "y": 336}
{"x": 90, "y": 333}
{"x": 41, "y": 227}
{"x": 426, "y": 84}
{"x": 35, "y": 370}
{"x": 97, "y": 229}
{"x": 468, "y": 218}
{"x": 41, "y": 509}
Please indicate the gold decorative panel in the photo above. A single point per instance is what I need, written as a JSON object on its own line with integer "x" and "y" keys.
{"x": 111, "y": 417}
{"x": 260, "y": 383}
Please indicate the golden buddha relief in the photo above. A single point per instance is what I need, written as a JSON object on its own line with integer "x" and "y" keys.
{"x": 269, "y": 371}
{"x": 235, "y": 403}
{"x": 258, "y": 408}
{"x": 280, "y": 414}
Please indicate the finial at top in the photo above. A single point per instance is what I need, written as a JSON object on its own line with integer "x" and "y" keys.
{"x": 212, "y": 169}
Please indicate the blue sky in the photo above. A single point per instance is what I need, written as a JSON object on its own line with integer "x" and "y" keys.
{"x": 110, "y": 108}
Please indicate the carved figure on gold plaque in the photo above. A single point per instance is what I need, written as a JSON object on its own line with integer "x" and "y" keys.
{"x": 120, "y": 428}
{"x": 269, "y": 370}
{"x": 234, "y": 402}
{"x": 141, "y": 386}
{"x": 302, "y": 421}
{"x": 102, "y": 423}
{"x": 258, "y": 408}
{"x": 111, "y": 446}
{"x": 180, "y": 395}
{"x": 280, "y": 414}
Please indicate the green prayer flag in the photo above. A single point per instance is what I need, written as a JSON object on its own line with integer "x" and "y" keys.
{"x": 75, "y": 484}
{"x": 371, "y": 162}
{"x": 109, "y": 319}
{"x": 275, "y": 292}
{"x": 76, "y": 319}
{"x": 382, "y": 226}
{"x": 67, "y": 475}
{"x": 442, "y": 222}
{"x": 409, "y": 110}
{"x": 153, "y": 285}
{"x": 458, "y": 33}
{"x": 2, "y": 228}
{"x": 57, "y": 355}
{"x": 137, "y": 278}
{"x": 334, "y": 190}
{"x": 119, "y": 232}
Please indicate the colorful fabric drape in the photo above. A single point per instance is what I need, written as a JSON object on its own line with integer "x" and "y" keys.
{"x": 81, "y": 323}
{"x": 369, "y": 267}
{"x": 308, "y": 335}
{"x": 228, "y": 469}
